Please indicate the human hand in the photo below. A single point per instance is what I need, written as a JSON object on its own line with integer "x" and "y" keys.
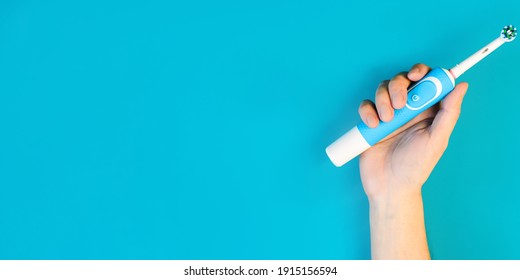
{"x": 401, "y": 163}
{"x": 394, "y": 170}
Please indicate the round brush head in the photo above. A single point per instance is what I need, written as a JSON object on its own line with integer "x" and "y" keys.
{"x": 508, "y": 33}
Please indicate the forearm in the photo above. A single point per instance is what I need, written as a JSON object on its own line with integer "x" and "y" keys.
{"x": 397, "y": 226}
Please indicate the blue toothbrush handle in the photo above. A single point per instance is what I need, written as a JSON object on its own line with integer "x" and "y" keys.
{"x": 421, "y": 96}
{"x": 424, "y": 94}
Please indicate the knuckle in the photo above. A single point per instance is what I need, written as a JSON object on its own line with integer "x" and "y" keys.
{"x": 364, "y": 104}
{"x": 424, "y": 67}
{"x": 419, "y": 65}
{"x": 395, "y": 87}
{"x": 383, "y": 84}
{"x": 398, "y": 92}
{"x": 382, "y": 91}
{"x": 398, "y": 83}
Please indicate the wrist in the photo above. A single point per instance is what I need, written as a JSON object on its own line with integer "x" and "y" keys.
{"x": 394, "y": 197}
{"x": 397, "y": 226}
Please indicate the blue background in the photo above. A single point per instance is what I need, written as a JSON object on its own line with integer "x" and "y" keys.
{"x": 196, "y": 129}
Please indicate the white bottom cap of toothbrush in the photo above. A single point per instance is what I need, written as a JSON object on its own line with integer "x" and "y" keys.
{"x": 347, "y": 147}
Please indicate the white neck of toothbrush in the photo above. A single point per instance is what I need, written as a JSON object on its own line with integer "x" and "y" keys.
{"x": 462, "y": 67}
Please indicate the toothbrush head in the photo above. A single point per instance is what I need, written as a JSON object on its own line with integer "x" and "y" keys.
{"x": 508, "y": 33}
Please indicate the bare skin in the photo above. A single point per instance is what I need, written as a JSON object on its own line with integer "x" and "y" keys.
{"x": 394, "y": 170}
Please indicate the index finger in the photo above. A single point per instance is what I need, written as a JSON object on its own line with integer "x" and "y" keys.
{"x": 398, "y": 89}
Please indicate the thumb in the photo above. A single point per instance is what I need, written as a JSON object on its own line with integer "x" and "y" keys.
{"x": 447, "y": 116}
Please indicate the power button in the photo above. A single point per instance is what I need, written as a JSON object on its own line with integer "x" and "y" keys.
{"x": 423, "y": 93}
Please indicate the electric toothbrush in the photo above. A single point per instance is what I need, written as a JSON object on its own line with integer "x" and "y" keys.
{"x": 422, "y": 95}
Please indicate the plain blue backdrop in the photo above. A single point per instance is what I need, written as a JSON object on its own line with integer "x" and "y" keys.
{"x": 197, "y": 129}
